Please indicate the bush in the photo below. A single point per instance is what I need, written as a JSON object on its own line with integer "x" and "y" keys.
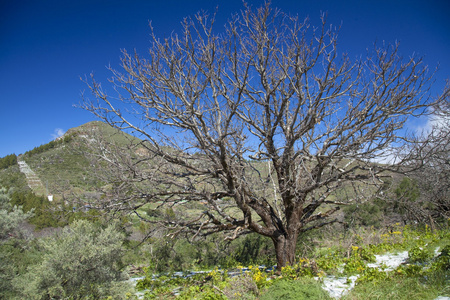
{"x": 7, "y": 161}
{"x": 305, "y": 288}
{"x": 43, "y": 216}
{"x": 366, "y": 214}
{"x": 443, "y": 260}
{"x": 83, "y": 261}
{"x": 253, "y": 249}
{"x": 418, "y": 254}
{"x": 11, "y": 217}
{"x": 12, "y": 240}
{"x": 241, "y": 287}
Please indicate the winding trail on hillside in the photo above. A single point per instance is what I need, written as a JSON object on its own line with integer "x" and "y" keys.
{"x": 33, "y": 180}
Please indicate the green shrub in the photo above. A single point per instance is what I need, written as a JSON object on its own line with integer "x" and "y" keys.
{"x": 419, "y": 254}
{"x": 366, "y": 214}
{"x": 372, "y": 275}
{"x": 43, "y": 215}
{"x": 304, "y": 288}
{"x": 253, "y": 249}
{"x": 329, "y": 260}
{"x": 12, "y": 240}
{"x": 443, "y": 260}
{"x": 82, "y": 262}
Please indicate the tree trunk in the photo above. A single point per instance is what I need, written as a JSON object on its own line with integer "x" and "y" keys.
{"x": 285, "y": 246}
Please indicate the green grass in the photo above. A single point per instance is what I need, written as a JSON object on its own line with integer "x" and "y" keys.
{"x": 404, "y": 288}
{"x": 302, "y": 289}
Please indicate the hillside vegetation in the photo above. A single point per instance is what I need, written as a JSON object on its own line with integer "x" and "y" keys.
{"x": 72, "y": 173}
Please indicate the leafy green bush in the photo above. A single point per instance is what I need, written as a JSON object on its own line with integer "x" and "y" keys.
{"x": 305, "y": 288}
{"x": 406, "y": 195}
{"x": 253, "y": 249}
{"x": 43, "y": 215}
{"x": 83, "y": 261}
{"x": 366, "y": 214}
{"x": 407, "y": 189}
{"x": 11, "y": 216}
{"x": 372, "y": 275}
{"x": 419, "y": 254}
{"x": 11, "y": 240}
{"x": 329, "y": 260}
{"x": 443, "y": 260}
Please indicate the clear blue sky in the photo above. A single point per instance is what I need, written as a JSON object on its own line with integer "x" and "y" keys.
{"x": 45, "y": 46}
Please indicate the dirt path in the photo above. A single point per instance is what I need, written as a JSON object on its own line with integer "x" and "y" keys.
{"x": 33, "y": 180}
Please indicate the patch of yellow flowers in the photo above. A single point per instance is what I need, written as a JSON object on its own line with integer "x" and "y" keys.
{"x": 258, "y": 276}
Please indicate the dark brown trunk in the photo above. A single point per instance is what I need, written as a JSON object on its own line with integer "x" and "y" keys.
{"x": 285, "y": 246}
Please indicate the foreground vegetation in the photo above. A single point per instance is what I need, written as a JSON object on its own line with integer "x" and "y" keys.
{"x": 57, "y": 267}
{"x": 90, "y": 258}
{"x": 424, "y": 276}
{"x": 72, "y": 249}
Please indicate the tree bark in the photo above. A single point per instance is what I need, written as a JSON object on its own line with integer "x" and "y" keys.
{"x": 285, "y": 246}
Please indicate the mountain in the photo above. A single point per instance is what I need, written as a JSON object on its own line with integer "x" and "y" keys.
{"x": 64, "y": 168}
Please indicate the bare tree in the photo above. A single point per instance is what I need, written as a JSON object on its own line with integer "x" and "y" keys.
{"x": 266, "y": 123}
{"x": 429, "y": 159}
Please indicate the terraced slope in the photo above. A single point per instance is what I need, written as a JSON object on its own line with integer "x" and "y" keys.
{"x": 33, "y": 180}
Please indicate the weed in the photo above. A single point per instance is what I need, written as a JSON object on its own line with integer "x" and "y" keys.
{"x": 305, "y": 288}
